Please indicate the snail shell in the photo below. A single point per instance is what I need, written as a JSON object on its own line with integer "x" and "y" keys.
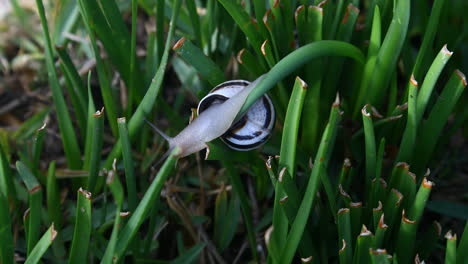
{"x": 254, "y": 128}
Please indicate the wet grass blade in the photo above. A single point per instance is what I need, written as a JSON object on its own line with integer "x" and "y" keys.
{"x": 42, "y": 246}
{"x": 147, "y": 202}
{"x": 33, "y": 216}
{"x": 128, "y": 164}
{"x": 69, "y": 139}
{"x": 82, "y": 233}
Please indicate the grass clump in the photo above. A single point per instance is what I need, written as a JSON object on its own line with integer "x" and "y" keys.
{"x": 369, "y": 101}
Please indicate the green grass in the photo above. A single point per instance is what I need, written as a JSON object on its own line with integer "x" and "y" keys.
{"x": 368, "y": 96}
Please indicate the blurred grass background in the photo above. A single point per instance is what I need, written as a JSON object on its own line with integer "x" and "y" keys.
{"x": 368, "y": 161}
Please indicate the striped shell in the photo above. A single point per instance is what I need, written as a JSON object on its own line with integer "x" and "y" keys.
{"x": 254, "y": 128}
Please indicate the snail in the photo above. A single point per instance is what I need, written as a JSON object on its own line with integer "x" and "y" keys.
{"x": 216, "y": 115}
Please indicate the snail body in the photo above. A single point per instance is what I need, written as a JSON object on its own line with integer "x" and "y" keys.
{"x": 216, "y": 114}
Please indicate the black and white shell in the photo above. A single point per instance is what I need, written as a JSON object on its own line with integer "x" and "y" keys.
{"x": 254, "y": 128}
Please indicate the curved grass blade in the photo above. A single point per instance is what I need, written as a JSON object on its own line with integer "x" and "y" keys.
{"x": 147, "y": 202}
{"x": 430, "y": 80}
{"x": 82, "y": 232}
{"x": 42, "y": 246}
{"x": 69, "y": 139}
{"x": 296, "y": 59}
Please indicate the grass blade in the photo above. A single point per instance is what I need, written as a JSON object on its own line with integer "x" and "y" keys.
{"x": 147, "y": 202}
{"x": 69, "y": 139}
{"x": 6, "y": 236}
{"x": 128, "y": 164}
{"x": 33, "y": 216}
{"x": 96, "y": 148}
{"x": 144, "y": 108}
{"x": 82, "y": 232}
{"x": 42, "y": 246}
{"x": 320, "y": 164}
{"x": 462, "y": 255}
{"x": 296, "y": 59}
{"x": 451, "y": 248}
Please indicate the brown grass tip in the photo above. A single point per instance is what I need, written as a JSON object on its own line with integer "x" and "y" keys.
{"x": 268, "y": 162}
{"x": 382, "y": 224}
{"x": 446, "y": 51}
{"x": 306, "y": 260}
{"x": 461, "y": 76}
{"x": 343, "y": 192}
{"x": 379, "y": 251}
{"x": 427, "y": 183}
{"x": 343, "y": 211}
{"x": 413, "y": 81}
{"x": 402, "y": 165}
{"x": 399, "y": 196}
{"x": 302, "y": 83}
{"x": 316, "y": 8}
{"x": 365, "y": 231}
{"x": 298, "y": 10}
{"x": 355, "y": 204}
{"x": 283, "y": 200}
{"x": 99, "y": 113}
{"x": 378, "y": 208}
{"x": 124, "y": 214}
{"x": 365, "y": 112}
{"x": 343, "y": 247}
{"x": 86, "y": 193}
{"x": 281, "y": 174}
{"x": 53, "y": 233}
{"x": 239, "y": 56}
{"x": 207, "y": 154}
{"x": 262, "y": 47}
{"x": 412, "y": 175}
{"x": 405, "y": 219}
{"x": 179, "y": 43}
{"x": 121, "y": 120}
{"x": 323, "y": 3}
